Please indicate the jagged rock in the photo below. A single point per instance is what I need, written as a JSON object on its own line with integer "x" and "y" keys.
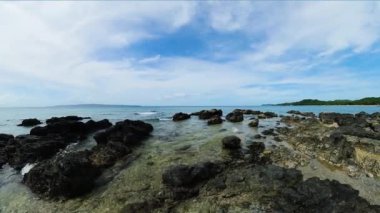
{"x": 342, "y": 119}
{"x": 306, "y": 114}
{"x": 29, "y": 149}
{"x": 268, "y": 132}
{"x": 70, "y": 118}
{"x": 256, "y": 149}
{"x": 68, "y": 175}
{"x": 127, "y": 132}
{"x": 30, "y": 122}
{"x": 182, "y": 180}
{"x": 315, "y": 195}
{"x": 235, "y": 117}
{"x": 270, "y": 114}
{"x": 207, "y": 114}
{"x": 254, "y": 123}
{"x": 70, "y": 129}
{"x": 231, "y": 142}
{"x": 215, "y": 120}
{"x": 107, "y": 155}
{"x": 180, "y": 116}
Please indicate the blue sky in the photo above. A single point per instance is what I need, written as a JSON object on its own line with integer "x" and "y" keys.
{"x": 187, "y": 53}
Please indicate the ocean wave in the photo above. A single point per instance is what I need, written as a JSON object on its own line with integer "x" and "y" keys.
{"x": 165, "y": 119}
{"x": 27, "y": 168}
{"x": 146, "y": 113}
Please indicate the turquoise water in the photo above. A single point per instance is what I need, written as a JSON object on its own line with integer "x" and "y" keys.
{"x": 10, "y": 117}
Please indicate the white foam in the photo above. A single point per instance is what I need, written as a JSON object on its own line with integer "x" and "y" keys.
{"x": 27, "y": 168}
{"x": 235, "y": 130}
{"x": 146, "y": 113}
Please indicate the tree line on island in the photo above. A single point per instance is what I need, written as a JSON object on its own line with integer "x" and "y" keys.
{"x": 363, "y": 101}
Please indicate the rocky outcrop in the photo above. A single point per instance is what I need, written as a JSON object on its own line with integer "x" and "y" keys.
{"x": 70, "y": 129}
{"x": 183, "y": 181}
{"x": 315, "y": 195}
{"x": 70, "y": 118}
{"x": 180, "y": 116}
{"x": 231, "y": 142}
{"x": 73, "y": 174}
{"x": 215, "y": 120}
{"x": 247, "y": 111}
{"x": 305, "y": 114}
{"x": 4, "y": 138}
{"x": 30, "y": 122}
{"x": 254, "y": 123}
{"x": 67, "y": 176}
{"x": 342, "y": 119}
{"x": 207, "y": 114}
{"x": 235, "y": 117}
{"x": 30, "y": 149}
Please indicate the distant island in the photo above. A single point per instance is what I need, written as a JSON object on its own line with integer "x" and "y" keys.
{"x": 363, "y": 101}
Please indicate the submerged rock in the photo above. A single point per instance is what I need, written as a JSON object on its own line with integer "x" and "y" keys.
{"x": 235, "y": 117}
{"x": 30, "y": 122}
{"x": 254, "y": 123}
{"x": 215, "y": 120}
{"x": 180, "y": 116}
{"x": 183, "y": 180}
{"x": 231, "y": 142}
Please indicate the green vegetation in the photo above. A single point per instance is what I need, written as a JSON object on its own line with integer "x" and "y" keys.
{"x": 363, "y": 101}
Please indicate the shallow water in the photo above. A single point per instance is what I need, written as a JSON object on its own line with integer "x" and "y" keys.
{"x": 171, "y": 143}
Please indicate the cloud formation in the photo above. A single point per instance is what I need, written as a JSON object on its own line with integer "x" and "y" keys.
{"x": 242, "y": 52}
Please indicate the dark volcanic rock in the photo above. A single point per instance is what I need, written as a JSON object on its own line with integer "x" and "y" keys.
{"x": 315, "y": 195}
{"x": 73, "y": 174}
{"x": 4, "y": 138}
{"x": 180, "y": 116}
{"x": 358, "y": 131}
{"x": 107, "y": 155}
{"x": 231, "y": 142}
{"x": 30, "y": 122}
{"x": 215, "y": 120}
{"x": 235, "y": 117}
{"x": 305, "y": 114}
{"x": 256, "y": 149}
{"x": 254, "y": 123}
{"x": 127, "y": 132}
{"x": 183, "y": 180}
{"x": 70, "y": 129}
{"x": 270, "y": 114}
{"x": 68, "y": 175}
{"x": 207, "y": 114}
{"x": 342, "y": 119}
{"x": 30, "y": 149}
{"x": 269, "y": 132}
{"x": 70, "y": 118}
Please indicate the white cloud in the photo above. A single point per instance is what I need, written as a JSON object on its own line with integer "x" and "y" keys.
{"x": 48, "y": 50}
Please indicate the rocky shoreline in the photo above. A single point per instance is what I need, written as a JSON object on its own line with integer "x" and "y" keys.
{"x": 259, "y": 173}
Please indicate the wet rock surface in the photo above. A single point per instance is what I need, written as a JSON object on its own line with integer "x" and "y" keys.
{"x": 231, "y": 142}
{"x": 180, "y": 116}
{"x": 207, "y": 114}
{"x": 215, "y": 120}
{"x": 235, "y": 117}
{"x": 30, "y": 122}
{"x": 73, "y": 174}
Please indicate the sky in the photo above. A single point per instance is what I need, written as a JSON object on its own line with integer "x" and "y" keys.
{"x": 187, "y": 53}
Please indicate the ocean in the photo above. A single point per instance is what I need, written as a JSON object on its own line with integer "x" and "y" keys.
{"x": 10, "y": 117}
